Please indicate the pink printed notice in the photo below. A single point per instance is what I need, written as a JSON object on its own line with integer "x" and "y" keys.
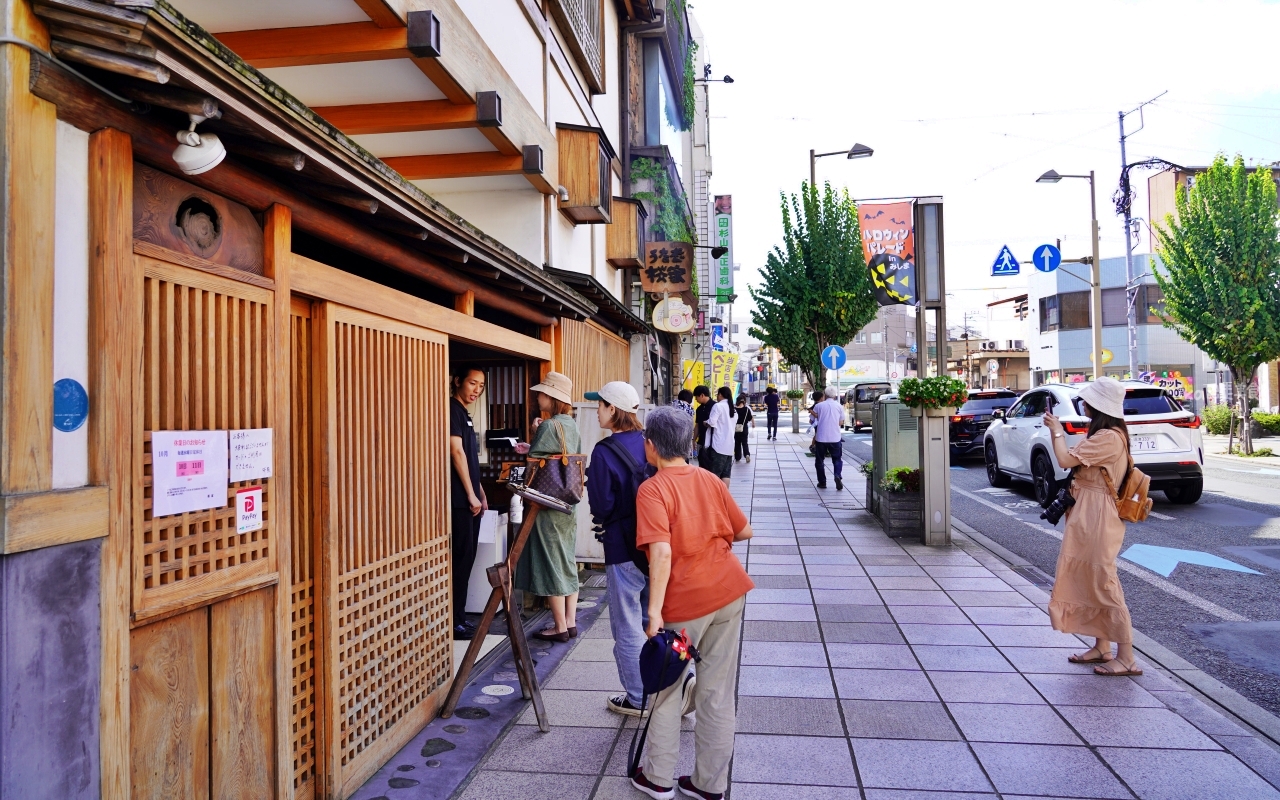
{"x": 188, "y": 468}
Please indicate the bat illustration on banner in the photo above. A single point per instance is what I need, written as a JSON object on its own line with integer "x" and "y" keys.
{"x": 896, "y": 221}
{"x": 878, "y": 214}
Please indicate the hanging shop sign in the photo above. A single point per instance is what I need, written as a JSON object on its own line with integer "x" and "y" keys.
{"x": 723, "y": 367}
{"x": 668, "y": 267}
{"x": 724, "y": 238}
{"x": 673, "y": 315}
{"x": 188, "y": 471}
{"x": 250, "y": 454}
{"x": 888, "y": 242}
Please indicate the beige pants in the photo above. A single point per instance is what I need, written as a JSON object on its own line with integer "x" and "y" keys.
{"x": 717, "y": 637}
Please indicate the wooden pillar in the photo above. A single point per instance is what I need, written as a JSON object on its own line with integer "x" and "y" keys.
{"x": 465, "y": 303}
{"x": 277, "y": 237}
{"x": 551, "y": 334}
{"x": 115, "y": 320}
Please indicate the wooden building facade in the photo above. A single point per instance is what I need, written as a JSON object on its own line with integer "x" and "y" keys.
{"x": 301, "y": 285}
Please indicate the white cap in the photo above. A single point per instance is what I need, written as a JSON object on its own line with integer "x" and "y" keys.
{"x": 619, "y": 394}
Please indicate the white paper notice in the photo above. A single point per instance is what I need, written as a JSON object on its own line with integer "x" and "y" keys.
{"x": 188, "y": 471}
{"x": 249, "y": 509}
{"x": 488, "y": 526}
{"x": 250, "y": 454}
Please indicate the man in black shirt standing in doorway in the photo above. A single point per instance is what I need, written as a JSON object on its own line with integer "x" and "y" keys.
{"x": 468, "y": 500}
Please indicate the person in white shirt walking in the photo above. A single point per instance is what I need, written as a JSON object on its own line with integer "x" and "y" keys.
{"x": 827, "y": 418}
{"x": 717, "y": 449}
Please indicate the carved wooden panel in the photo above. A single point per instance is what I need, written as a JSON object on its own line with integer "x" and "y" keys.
{"x": 183, "y": 217}
{"x": 206, "y": 358}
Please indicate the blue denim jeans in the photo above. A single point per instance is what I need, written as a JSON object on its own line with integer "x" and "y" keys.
{"x": 628, "y": 593}
{"x": 831, "y": 449}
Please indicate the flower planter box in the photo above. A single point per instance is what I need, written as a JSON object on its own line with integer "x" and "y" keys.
{"x": 934, "y": 412}
{"x": 900, "y": 513}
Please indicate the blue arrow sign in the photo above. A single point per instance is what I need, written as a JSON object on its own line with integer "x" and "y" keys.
{"x": 1164, "y": 560}
{"x": 1005, "y": 264}
{"x": 913, "y": 349}
{"x": 833, "y": 357}
{"x": 1047, "y": 258}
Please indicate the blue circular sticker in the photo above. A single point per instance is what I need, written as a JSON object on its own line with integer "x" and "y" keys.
{"x": 70, "y": 405}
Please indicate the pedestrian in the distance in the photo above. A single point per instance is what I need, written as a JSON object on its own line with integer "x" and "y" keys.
{"x": 702, "y": 396}
{"x": 548, "y": 566}
{"x": 828, "y": 416}
{"x": 467, "y": 499}
{"x": 741, "y": 447}
{"x": 771, "y": 402}
{"x": 617, "y": 468}
{"x": 688, "y": 522}
{"x": 684, "y": 402}
{"x": 717, "y": 443}
{"x": 1087, "y": 598}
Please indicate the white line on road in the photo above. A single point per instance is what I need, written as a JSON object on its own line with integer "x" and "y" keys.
{"x": 1158, "y": 515}
{"x": 1134, "y": 570}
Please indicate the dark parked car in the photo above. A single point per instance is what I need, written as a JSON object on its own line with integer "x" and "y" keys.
{"x": 973, "y": 418}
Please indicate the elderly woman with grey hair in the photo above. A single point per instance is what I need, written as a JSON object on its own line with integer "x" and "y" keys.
{"x": 687, "y": 521}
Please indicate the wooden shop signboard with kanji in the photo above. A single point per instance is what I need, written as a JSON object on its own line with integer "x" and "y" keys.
{"x": 668, "y": 267}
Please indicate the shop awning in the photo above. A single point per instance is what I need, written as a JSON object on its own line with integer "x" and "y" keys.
{"x": 610, "y": 312}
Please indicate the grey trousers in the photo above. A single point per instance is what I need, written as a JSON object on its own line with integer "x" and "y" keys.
{"x": 717, "y": 637}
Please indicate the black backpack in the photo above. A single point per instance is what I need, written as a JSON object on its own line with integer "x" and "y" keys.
{"x": 628, "y": 519}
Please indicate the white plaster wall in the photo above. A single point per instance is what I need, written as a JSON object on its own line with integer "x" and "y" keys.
{"x": 71, "y": 295}
{"x": 506, "y": 30}
{"x": 563, "y": 107}
{"x": 607, "y": 106}
{"x": 511, "y": 215}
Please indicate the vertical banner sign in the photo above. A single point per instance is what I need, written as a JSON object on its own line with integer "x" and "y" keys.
{"x": 694, "y": 374}
{"x": 724, "y": 238}
{"x": 723, "y": 367}
{"x": 718, "y": 338}
{"x": 889, "y": 243}
{"x": 188, "y": 471}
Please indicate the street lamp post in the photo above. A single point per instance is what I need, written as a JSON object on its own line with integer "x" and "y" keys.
{"x": 1095, "y": 267}
{"x": 857, "y": 151}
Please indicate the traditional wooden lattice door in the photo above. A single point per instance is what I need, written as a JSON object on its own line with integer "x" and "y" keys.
{"x": 383, "y": 585}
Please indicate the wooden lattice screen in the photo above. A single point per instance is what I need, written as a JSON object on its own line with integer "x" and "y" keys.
{"x": 386, "y": 581}
{"x": 207, "y": 345}
{"x": 591, "y": 356}
{"x": 303, "y": 521}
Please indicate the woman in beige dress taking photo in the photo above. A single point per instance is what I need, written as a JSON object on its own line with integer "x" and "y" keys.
{"x": 1087, "y": 598}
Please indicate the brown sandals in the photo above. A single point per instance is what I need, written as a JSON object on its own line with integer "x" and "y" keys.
{"x": 1080, "y": 659}
{"x": 1129, "y": 671}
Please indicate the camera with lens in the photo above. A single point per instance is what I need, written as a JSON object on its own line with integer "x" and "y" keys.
{"x": 1054, "y": 511}
{"x": 598, "y": 530}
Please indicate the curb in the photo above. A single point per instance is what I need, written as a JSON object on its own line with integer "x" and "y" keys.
{"x": 1216, "y": 694}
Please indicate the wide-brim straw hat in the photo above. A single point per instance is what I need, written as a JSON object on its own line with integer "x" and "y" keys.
{"x": 557, "y": 386}
{"x": 1105, "y": 395}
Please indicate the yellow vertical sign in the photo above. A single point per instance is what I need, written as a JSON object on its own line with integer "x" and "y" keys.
{"x": 694, "y": 373}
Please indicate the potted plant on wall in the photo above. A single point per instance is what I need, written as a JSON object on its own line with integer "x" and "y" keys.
{"x": 939, "y": 396}
{"x": 900, "y": 502}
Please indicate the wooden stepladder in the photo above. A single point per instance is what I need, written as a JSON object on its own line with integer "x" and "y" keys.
{"x": 500, "y": 579}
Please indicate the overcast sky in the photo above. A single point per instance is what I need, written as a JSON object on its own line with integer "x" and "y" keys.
{"x": 973, "y": 101}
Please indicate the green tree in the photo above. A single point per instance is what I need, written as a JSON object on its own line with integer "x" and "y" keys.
{"x": 817, "y": 290}
{"x": 1222, "y": 286}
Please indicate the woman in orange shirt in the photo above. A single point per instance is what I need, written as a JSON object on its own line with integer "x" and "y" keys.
{"x": 688, "y": 522}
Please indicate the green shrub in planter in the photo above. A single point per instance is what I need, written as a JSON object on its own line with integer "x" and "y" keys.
{"x": 901, "y": 479}
{"x": 1269, "y": 422}
{"x": 867, "y": 468}
{"x": 795, "y": 394}
{"x": 932, "y": 393}
{"x": 1216, "y": 419}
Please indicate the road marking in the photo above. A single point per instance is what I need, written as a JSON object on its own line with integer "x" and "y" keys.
{"x": 1158, "y": 515}
{"x": 1190, "y": 598}
{"x": 1165, "y": 560}
{"x": 1263, "y": 471}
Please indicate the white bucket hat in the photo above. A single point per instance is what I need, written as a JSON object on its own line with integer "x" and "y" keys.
{"x": 1105, "y": 395}
{"x": 556, "y": 385}
{"x": 619, "y": 394}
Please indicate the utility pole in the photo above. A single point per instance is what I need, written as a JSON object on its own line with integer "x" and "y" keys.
{"x": 1130, "y": 289}
{"x": 884, "y": 335}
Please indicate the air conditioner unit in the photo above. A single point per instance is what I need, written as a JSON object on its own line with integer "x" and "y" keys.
{"x": 1019, "y": 344}
{"x": 989, "y": 346}
{"x": 1008, "y": 344}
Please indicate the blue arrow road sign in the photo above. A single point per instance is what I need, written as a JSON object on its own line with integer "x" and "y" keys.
{"x": 1165, "y": 559}
{"x": 833, "y": 357}
{"x": 1047, "y": 258}
{"x": 1005, "y": 263}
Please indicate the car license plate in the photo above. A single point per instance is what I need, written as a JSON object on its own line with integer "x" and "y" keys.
{"x": 1143, "y": 443}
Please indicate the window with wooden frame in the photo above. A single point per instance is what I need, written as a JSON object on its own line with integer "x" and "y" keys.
{"x": 582, "y": 22}
{"x": 624, "y": 238}
{"x": 586, "y": 174}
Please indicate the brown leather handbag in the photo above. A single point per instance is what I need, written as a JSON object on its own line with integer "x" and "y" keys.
{"x": 562, "y": 476}
{"x": 1131, "y": 501}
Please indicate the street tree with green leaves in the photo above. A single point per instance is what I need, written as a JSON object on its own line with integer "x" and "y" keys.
{"x": 817, "y": 290}
{"x": 1222, "y": 281}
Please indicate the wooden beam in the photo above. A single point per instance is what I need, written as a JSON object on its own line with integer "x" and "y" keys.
{"x": 385, "y": 13}
{"x": 327, "y": 283}
{"x": 44, "y": 519}
{"x": 115, "y": 318}
{"x": 465, "y": 303}
{"x": 417, "y": 115}
{"x": 26, "y": 282}
{"x": 318, "y": 44}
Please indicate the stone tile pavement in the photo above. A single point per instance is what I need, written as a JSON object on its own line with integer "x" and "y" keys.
{"x": 879, "y": 669}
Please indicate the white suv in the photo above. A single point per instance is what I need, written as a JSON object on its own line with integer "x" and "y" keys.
{"x": 1164, "y": 438}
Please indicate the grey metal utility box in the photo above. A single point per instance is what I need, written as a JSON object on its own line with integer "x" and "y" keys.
{"x": 895, "y": 442}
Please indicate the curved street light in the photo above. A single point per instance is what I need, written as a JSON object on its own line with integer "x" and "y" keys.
{"x": 857, "y": 151}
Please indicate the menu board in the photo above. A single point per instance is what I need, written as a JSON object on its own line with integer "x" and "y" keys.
{"x": 250, "y": 454}
{"x": 188, "y": 471}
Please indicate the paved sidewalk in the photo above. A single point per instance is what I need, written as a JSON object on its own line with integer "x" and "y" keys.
{"x": 877, "y": 669}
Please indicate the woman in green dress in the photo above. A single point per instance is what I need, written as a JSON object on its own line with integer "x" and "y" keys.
{"x": 548, "y": 566}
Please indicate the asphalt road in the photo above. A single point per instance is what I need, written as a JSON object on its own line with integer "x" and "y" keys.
{"x": 1222, "y": 621}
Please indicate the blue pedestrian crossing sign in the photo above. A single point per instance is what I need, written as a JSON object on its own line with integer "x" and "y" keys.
{"x": 1047, "y": 258}
{"x": 833, "y": 357}
{"x": 1005, "y": 263}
